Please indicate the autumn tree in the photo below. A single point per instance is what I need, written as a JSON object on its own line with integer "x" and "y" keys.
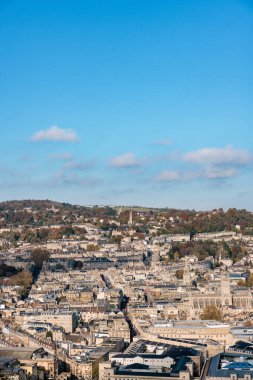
{"x": 179, "y": 274}
{"x": 249, "y": 281}
{"x": 22, "y": 279}
{"x": 211, "y": 312}
{"x": 92, "y": 247}
{"x": 38, "y": 256}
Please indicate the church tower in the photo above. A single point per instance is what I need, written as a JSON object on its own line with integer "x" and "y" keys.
{"x": 226, "y": 295}
{"x": 130, "y": 220}
{"x": 186, "y": 275}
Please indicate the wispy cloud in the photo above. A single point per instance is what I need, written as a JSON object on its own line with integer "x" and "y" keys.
{"x": 219, "y": 173}
{"x": 71, "y": 164}
{"x": 210, "y": 173}
{"x": 169, "y": 176}
{"x": 55, "y": 133}
{"x": 62, "y": 156}
{"x": 79, "y": 166}
{"x": 126, "y": 160}
{"x": 73, "y": 172}
{"x": 219, "y": 156}
{"x": 73, "y": 179}
{"x": 162, "y": 142}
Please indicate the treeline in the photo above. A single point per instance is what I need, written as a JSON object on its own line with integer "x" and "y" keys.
{"x": 208, "y": 221}
{"x": 204, "y": 248}
{"x": 41, "y": 235}
{"x": 11, "y": 276}
{"x": 199, "y": 248}
{"x": 35, "y": 213}
{"x": 23, "y": 279}
{"x": 45, "y": 212}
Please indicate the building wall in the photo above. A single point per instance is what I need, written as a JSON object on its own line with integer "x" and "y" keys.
{"x": 220, "y": 334}
{"x": 66, "y": 320}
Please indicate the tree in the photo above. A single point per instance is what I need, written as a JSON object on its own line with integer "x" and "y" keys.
{"x": 115, "y": 240}
{"x": 241, "y": 283}
{"x": 176, "y": 256}
{"x": 249, "y": 281}
{"x": 179, "y": 274}
{"x": 39, "y": 255}
{"x": 49, "y": 335}
{"x": 211, "y": 312}
{"x": 78, "y": 264}
{"x": 192, "y": 234}
{"x": 22, "y": 279}
{"x": 92, "y": 247}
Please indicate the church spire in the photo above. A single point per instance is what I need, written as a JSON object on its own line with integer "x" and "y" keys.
{"x": 130, "y": 220}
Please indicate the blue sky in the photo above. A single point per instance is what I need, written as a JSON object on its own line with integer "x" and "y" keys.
{"x": 127, "y": 102}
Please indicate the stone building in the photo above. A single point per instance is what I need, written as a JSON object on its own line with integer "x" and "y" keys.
{"x": 224, "y": 297}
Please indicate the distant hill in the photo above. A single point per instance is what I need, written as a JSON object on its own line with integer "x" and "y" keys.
{"x": 36, "y": 213}
{"x": 46, "y": 212}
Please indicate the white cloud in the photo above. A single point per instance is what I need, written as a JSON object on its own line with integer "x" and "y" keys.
{"x": 126, "y": 160}
{"x": 55, "y": 133}
{"x": 219, "y": 156}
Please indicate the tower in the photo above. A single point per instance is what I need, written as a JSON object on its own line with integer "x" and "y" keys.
{"x": 191, "y": 311}
{"x": 186, "y": 275}
{"x": 220, "y": 255}
{"x": 226, "y": 295}
{"x": 130, "y": 220}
